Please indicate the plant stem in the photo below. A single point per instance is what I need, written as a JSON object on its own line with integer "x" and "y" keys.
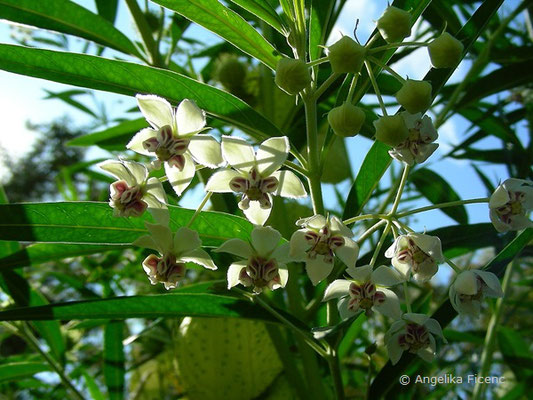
{"x": 442, "y": 205}
{"x": 199, "y": 209}
{"x": 406, "y": 295}
{"x": 403, "y": 181}
{"x": 376, "y": 87}
{"x": 370, "y": 230}
{"x": 146, "y": 33}
{"x": 396, "y": 45}
{"x": 454, "y": 266}
{"x": 335, "y": 370}
{"x": 380, "y": 244}
{"x": 486, "y": 356}
{"x": 296, "y": 167}
{"x": 363, "y": 217}
{"x": 351, "y": 91}
{"x": 327, "y": 83}
{"x": 387, "y": 68}
{"x": 317, "y": 61}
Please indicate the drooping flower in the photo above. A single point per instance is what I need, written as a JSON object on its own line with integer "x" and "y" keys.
{"x": 175, "y": 139}
{"x": 169, "y": 268}
{"x": 416, "y": 254}
{"x": 366, "y": 291}
{"x": 413, "y": 333}
{"x": 264, "y": 264}
{"x": 470, "y": 288}
{"x": 509, "y": 205}
{"x": 319, "y": 241}
{"x": 256, "y": 176}
{"x": 134, "y": 192}
{"x": 419, "y": 143}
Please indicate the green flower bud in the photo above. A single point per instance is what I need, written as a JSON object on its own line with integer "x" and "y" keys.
{"x": 391, "y": 130}
{"x": 414, "y": 96}
{"x": 346, "y": 120}
{"x": 292, "y": 75}
{"x": 394, "y": 25}
{"x": 346, "y": 56}
{"x": 445, "y": 51}
{"x": 230, "y": 72}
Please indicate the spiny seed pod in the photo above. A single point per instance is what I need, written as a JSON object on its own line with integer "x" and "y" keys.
{"x": 346, "y": 120}
{"x": 445, "y": 51}
{"x": 415, "y": 96}
{"x": 292, "y": 75}
{"x": 346, "y": 56}
{"x": 230, "y": 72}
{"x": 391, "y": 130}
{"x": 394, "y": 25}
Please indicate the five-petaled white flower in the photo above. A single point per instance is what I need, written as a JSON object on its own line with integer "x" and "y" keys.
{"x": 366, "y": 291}
{"x": 419, "y": 144}
{"x": 134, "y": 192}
{"x": 264, "y": 264}
{"x": 175, "y": 251}
{"x": 319, "y": 241}
{"x": 416, "y": 254}
{"x": 509, "y": 205}
{"x": 256, "y": 176}
{"x": 413, "y": 333}
{"x": 469, "y": 289}
{"x": 174, "y": 139}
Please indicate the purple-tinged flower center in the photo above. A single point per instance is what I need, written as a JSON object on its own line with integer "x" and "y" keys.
{"x": 478, "y": 296}
{"x": 167, "y": 147}
{"x": 323, "y": 243}
{"x": 164, "y": 269}
{"x": 364, "y": 296}
{"x": 254, "y": 188}
{"x": 414, "y": 256}
{"x": 415, "y": 139}
{"x": 260, "y": 273}
{"x": 416, "y": 337}
{"x": 127, "y": 200}
{"x": 512, "y": 207}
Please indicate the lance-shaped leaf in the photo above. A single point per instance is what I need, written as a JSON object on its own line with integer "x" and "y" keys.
{"x": 114, "y": 368}
{"x": 130, "y": 79}
{"x": 263, "y": 10}
{"x": 20, "y": 370}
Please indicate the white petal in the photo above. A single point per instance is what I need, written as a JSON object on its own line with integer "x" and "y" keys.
{"x": 256, "y": 214}
{"x": 344, "y": 311}
{"x": 499, "y": 198}
{"x": 265, "y": 240}
{"x": 348, "y": 253}
{"x": 337, "y": 288}
{"x": 131, "y": 172}
{"x": 271, "y": 155}
{"x": 385, "y": 276}
{"x": 219, "y": 181}
{"x": 426, "y": 354}
{"x": 186, "y": 240}
{"x": 157, "y": 210}
{"x": 146, "y": 241}
{"x": 315, "y": 222}
{"x": 162, "y": 236}
{"x": 181, "y": 179}
{"x": 515, "y": 185}
{"x": 289, "y": 185}
{"x": 283, "y": 274}
{"x": 155, "y": 188}
{"x": 519, "y": 222}
{"x": 337, "y": 226}
{"x": 466, "y": 283}
{"x": 299, "y": 245}
{"x": 189, "y": 118}
{"x": 498, "y": 225}
{"x": 234, "y": 272}
{"x": 394, "y": 349}
{"x": 238, "y": 153}
{"x": 281, "y": 253}
{"x": 360, "y": 274}
{"x": 136, "y": 143}
{"x": 403, "y": 268}
{"x": 419, "y": 319}
{"x": 434, "y": 327}
{"x": 236, "y": 247}
{"x": 491, "y": 281}
{"x": 206, "y": 151}
{"x": 317, "y": 269}
{"x": 156, "y": 110}
{"x": 391, "y": 306}
{"x": 200, "y": 257}
{"x": 428, "y": 244}
{"x": 391, "y": 251}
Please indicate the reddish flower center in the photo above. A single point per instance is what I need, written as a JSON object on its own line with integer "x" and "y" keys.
{"x": 254, "y": 188}
{"x": 167, "y": 147}
{"x": 416, "y": 337}
{"x": 127, "y": 200}
{"x": 364, "y": 296}
{"x": 260, "y": 273}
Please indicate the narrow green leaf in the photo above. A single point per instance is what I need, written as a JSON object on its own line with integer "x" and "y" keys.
{"x": 94, "y": 223}
{"x": 20, "y": 370}
{"x": 114, "y": 359}
{"x": 44, "y": 252}
{"x": 67, "y": 97}
{"x": 230, "y": 26}
{"x": 263, "y": 10}
{"x": 67, "y": 17}
{"x": 319, "y": 28}
{"x": 437, "y": 190}
{"x": 114, "y": 138}
{"x": 107, "y": 9}
{"x": 374, "y": 165}
{"x": 130, "y": 79}
{"x": 92, "y": 386}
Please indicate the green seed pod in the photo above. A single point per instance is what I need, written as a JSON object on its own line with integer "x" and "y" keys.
{"x": 415, "y": 96}
{"x": 230, "y": 72}
{"x": 346, "y": 120}
{"x": 346, "y": 56}
{"x": 292, "y": 75}
{"x": 445, "y": 51}
{"x": 394, "y": 25}
{"x": 391, "y": 130}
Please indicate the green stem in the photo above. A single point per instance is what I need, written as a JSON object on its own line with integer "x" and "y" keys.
{"x": 351, "y": 90}
{"x": 370, "y": 231}
{"x": 403, "y": 181}
{"x": 146, "y": 33}
{"x": 454, "y": 266}
{"x": 387, "y": 68}
{"x": 318, "y": 61}
{"x": 363, "y": 217}
{"x": 380, "y": 244}
{"x": 442, "y": 205}
{"x": 395, "y": 46}
{"x": 327, "y": 83}
{"x": 199, "y": 209}
{"x": 335, "y": 370}
{"x": 488, "y": 349}
{"x": 313, "y": 155}
{"x": 376, "y": 87}
{"x": 407, "y": 298}
{"x": 296, "y": 167}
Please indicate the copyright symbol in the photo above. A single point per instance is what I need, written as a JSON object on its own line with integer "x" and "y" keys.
{"x": 404, "y": 380}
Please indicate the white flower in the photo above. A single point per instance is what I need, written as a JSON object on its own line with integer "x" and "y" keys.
{"x": 264, "y": 263}
{"x": 469, "y": 289}
{"x": 413, "y": 333}
{"x": 419, "y": 144}
{"x": 366, "y": 290}
{"x": 256, "y": 176}
{"x": 175, "y": 251}
{"x": 509, "y": 205}
{"x": 174, "y": 139}
{"x": 134, "y": 191}
{"x": 416, "y": 254}
{"x": 319, "y": 241}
